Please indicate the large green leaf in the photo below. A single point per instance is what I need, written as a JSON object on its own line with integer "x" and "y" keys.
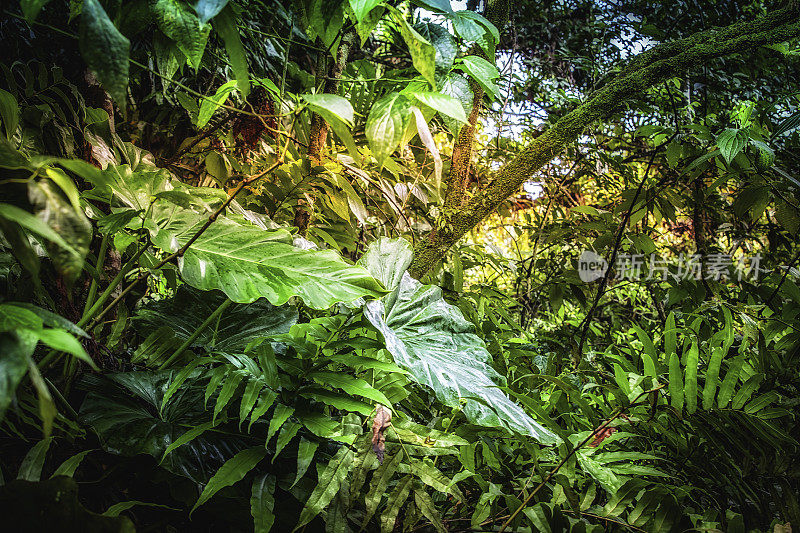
{"x": 361, "y": 8}
{"x": 330, "y": 481}
{"x": 386, "y": 123}
{"x": 70, "y": 224}
{"x": 423, "y": 54}
{"x": 431, "y": 339}
{"x": 248, "y": 263}
{"x": 208, "y": 9}
{"x": 262, "y": 503}
{"x": 123, "y": 409}
{"x": 232, "y": 471}
{"x": 443, "y": 43}
{"x": 105, "y": 50}
{"x": 484, "y": 73}
{"x": 731, "y": 142}
{"x": 225, "y": 24}
{"x": 239, "y": 325}
{"x": 9, "y": 113}
{"x": 209, "y": 106}
{"x": 333, "y": 104}
{"x": 16, "y": 349}
{"x": 184, "y": 27}
{"x": 387, "y": 260}
{"x": 444, "y": 104}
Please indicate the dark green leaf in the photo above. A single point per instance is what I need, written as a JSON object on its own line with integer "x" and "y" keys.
{"x": 105, "y": 50}
{"x": 229, "y": 473}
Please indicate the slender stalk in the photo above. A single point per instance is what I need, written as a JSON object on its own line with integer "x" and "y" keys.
{"x": 101, "y": 258}
{"x": 196, "y": 333}
{"x": 50, "y": 357}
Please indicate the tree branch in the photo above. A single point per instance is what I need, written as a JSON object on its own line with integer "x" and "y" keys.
{"x": 643, "y": 71}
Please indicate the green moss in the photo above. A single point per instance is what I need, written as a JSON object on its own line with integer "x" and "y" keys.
{"x": 645, "y": 70}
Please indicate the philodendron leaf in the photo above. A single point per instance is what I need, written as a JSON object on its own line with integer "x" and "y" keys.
{"x": 105, "y": 50}
{"x": 125, "y": 411}
{"x": 731, "y": 142}
{"x": 387, "y": 260}
{"x": 237, "y": 327}
{"x": 248, "y": 263}
{"x": 180, "y": 24}
{"x": 386, "y": 123}
{"x": 431, "y": 339}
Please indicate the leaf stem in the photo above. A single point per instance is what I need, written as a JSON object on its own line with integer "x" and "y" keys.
{"x": 196, "y": 333}
{"x": 572, "y": 452}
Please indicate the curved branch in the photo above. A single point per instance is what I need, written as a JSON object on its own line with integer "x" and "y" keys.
{"x": 645, "y": 70}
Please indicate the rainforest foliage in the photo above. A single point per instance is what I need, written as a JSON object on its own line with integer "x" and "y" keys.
{"x": 370, "y": 265}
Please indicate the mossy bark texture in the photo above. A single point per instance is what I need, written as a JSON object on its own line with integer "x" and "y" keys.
{"x": 643, "y": 71}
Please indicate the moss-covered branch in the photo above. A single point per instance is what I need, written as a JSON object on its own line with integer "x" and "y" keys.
{"x": 643, "y": 71}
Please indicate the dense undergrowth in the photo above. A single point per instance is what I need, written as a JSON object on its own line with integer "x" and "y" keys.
{"x": 207, "y": 321}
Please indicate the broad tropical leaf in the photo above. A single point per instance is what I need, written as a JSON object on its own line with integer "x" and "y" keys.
{"x": 432, "y": 340}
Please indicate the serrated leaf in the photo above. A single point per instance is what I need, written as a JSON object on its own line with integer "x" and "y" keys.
{"x": 229, "y": 473}
{"x": 675, "y": 382}
{"x": 305, "y": 454}
{"x": 712, "y": 377}
{"x": 351, "y": 385}
{"x": 281, "y": 415}
{"x": 690, "y": 383}
{"x": 105, "y": 50}
{"x": 397, "y": 498}
{"x": 432, "y": 340}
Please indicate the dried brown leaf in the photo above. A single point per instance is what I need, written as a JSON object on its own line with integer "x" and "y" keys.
{"x": 381, "y": 422}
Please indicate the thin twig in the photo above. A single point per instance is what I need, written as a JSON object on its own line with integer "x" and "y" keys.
{"x": 572, "y": 452}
